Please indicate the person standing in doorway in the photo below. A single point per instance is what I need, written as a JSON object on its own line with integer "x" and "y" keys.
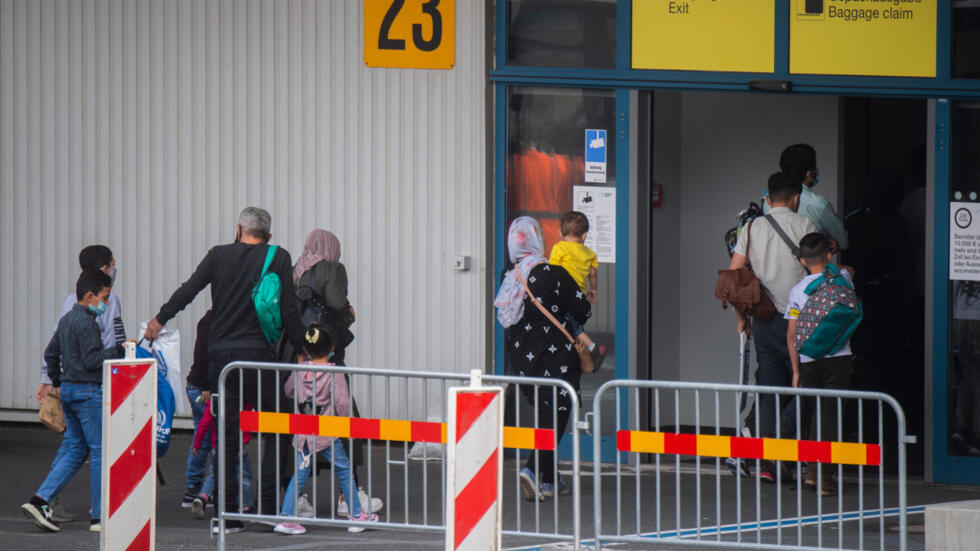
{"x": 800, "y": 161}
{"x": 233, "y": 271}
{"x": 771, "y": 242}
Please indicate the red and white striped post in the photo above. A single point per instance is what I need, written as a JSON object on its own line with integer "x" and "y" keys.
{"x": 129, "y": 453}
{"x": 475, "y": 438}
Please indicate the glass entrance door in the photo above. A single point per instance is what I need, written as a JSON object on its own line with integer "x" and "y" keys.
{"x": 561, "y": 155}
{"x": 961, "y": 439}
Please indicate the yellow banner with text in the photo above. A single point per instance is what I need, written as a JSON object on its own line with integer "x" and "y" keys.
{"x": 894, "y": 38}
{"x": 704, "y": 35}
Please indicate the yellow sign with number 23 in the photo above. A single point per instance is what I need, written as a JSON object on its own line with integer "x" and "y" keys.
{"x": 410, "y": 34}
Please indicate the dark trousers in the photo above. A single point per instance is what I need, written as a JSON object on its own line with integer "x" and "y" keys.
{"x": 829, "y": 373}
{"x": 552, "y": 414}
{"x": 774, "y": 369}
{"x": 238, "y": 392}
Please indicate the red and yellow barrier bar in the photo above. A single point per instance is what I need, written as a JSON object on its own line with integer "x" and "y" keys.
{"x": 772, "y": 449}
{"x": 380, "y": 429}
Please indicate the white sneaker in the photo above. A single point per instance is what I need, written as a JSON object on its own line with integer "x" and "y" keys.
{"x": 304, "y": 508}
{"x": 289, "y": 529}
{"x": 365, "y": 517}
{"x": 376, "y": 503}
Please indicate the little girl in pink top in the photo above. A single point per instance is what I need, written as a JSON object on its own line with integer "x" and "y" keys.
{"x": 320, "y": 393}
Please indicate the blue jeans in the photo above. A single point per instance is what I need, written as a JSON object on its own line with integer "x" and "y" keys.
{"x": 774, "y": 369}
{"x": 197, "y": 464}
{"x": 341, "y": 466}
{"x": 82, "y": 405}
{"x": 207, "y": 488}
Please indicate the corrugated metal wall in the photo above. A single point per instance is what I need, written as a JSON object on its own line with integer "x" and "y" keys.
{"x": 148, "y": 125}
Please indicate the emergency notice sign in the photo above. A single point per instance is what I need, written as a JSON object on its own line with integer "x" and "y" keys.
{"x": 598, "y": 204}
{"x": 964, "y": 241}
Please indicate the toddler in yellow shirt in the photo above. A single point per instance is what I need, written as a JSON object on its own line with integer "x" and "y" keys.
{"x": 581, "y": 263}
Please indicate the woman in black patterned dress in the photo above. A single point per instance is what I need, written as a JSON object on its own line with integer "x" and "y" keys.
{"x": 535, "y": 346}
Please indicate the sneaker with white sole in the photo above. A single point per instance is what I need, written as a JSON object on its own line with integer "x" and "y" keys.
{"x": 547, "y": 489}
{"x": 529, "y": 486}
{"x": 198, "y": 505}
{"x": 376, "y": 503}
{"x": 289, "y": 529}
{"x": 365, "y": 517}
{"x": 95, "y": 525}
{"x": 738, "y": 467}
{"x": 41, "y": 515}
{"x": 231, "y": 527}
{"x": 304, "y": 508}
{"x": 188, "y": 500}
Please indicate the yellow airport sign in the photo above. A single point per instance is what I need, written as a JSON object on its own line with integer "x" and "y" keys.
{"x": 410, "y": 34}
{"x": 891, "y": 38}
{"x": 704, "y": 35}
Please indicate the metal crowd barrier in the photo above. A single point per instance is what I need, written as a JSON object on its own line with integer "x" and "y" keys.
{"x": 412, "y": 500}
{"x": 690, "y": 451}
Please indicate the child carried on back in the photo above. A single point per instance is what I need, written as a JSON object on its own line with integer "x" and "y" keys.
{"x": 581, "y": 263}
{"x": 320, "y": 393}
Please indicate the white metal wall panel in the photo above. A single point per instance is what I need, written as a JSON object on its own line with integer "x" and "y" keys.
{"x": 148, "y": 125}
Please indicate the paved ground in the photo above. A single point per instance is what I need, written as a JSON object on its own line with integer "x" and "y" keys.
{"x": 26, "y": 451}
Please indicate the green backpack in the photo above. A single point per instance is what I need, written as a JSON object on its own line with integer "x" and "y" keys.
{"x": 265, "y": 295}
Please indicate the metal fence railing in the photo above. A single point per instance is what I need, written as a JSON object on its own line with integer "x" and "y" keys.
{"x": 396, "y": 411}
{"x": 668, "y": 483}
{"x": 829, "y": 490}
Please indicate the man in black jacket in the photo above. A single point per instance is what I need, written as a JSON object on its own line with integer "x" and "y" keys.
{"x": 233, "y": 271}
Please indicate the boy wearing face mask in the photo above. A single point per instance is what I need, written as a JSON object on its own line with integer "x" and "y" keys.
{"x": 93, "y": 258}
{"x": 74, "y": 361}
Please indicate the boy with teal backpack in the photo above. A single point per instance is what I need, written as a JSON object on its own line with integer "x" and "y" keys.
{"x": 823, "y": 312}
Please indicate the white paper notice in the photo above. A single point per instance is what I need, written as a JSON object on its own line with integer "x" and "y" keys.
{"x": 964, "y": 241}
{"x": 599, "y": 206}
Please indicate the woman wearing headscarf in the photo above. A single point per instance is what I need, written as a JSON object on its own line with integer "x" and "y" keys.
{"x": 535, "y": 346}
{"x": 318, "y": 270}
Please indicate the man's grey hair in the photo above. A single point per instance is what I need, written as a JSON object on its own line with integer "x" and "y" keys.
{"x": 255, "y": 222}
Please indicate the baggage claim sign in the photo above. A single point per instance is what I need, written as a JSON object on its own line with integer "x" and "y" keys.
{"x": 827, "y": 37}
{"x": 889, "y": 38}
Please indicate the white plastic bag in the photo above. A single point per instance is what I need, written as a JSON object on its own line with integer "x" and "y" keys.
{"x": 168, "y": 344}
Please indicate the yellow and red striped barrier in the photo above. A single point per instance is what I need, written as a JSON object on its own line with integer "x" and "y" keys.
{"x": 380, "y": 429}
{"x": 771, "y": 449}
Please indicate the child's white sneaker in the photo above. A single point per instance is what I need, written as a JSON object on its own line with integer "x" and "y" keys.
{"x": 289, "y": 529}
{"x": 303, "y": 507}
{"x": 365, "y": 517}
{"x": 376, "y": 503}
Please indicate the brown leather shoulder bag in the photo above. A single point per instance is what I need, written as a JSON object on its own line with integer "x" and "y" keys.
{"x": 743, "y": 290}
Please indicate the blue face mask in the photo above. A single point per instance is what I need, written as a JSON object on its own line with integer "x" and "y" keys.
{"x": 99, "y": 309}
{"x": 112, "y": 274}
{"x": 816, "y": 179}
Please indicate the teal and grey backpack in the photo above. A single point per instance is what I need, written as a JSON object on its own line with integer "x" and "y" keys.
{"x": 830, "y": 315}
{"x": 265, "y": 296}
